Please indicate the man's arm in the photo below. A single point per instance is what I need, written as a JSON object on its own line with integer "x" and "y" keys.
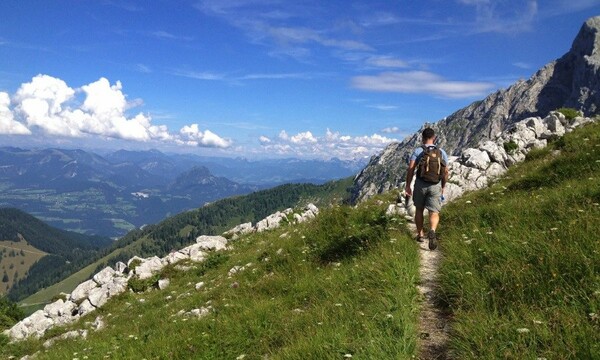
{"x": 409, "y": 176}
{"x": 444, "y": 179}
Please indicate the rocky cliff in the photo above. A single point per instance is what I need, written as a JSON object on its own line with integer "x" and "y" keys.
{"x": 571, "y": 81}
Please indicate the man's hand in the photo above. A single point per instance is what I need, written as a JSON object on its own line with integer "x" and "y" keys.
{"x": 407, "y": 190}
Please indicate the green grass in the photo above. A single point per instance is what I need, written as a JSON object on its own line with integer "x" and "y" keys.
{"x": 521, "y": 273}
{"x": 290, "y": 303}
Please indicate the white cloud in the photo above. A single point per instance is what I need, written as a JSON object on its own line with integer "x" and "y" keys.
{"x": 421, "y": 82}
{"x": 522, "y": 65}
{"x": 264, "y": 140}
{"x": 49, "y": 105}
{"x": 387, "y": 62}
{"x": 503, "y": 17}
{"x": 8, "y": 124}
{"x": 391, "y": 130}
{"x": 383, "y": 107}
{"x": 331, "y": 144}
{"x": 192, "y": 135}
{"x": 303, "y": 138}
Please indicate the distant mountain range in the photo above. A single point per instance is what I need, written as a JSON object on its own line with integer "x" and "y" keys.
{"x": 109, "y": 195}
{"x": 573, "y": 81}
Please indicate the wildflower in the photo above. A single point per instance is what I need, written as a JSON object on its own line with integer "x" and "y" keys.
{"x": 240, "y": 357}
{"x": 489, "y": 232}
{"x": 468, "y": 273}
{"x": 522, "y": 330}
{"x": 537, "y": 322}
{"x": 347, "y": 356}
{"x": 468, "y": 202}
{"x": 389, "y": 316}
{"x": 553, "y": 229}
{"x": 338, "y": 304}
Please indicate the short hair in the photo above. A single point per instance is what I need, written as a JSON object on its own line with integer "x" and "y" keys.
{"x": 428, "y": 133}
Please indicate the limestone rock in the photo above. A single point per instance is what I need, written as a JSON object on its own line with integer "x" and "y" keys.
{"x": 104, "y": 276}
{"x": 163, "y": 283}
{"x": 120, "y": 267}
{"x": 85, "y": 307}
{"x": 98, "y": 296}
{"x": 239, "y": 230}
{"x": 82, "y": 290}
{"x": 149, "y": 267}
{"x": 476, "y": 158}
{"x": 211, "y": 242}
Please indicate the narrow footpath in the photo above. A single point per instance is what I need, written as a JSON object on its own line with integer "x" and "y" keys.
{"x": 433, "y": 322}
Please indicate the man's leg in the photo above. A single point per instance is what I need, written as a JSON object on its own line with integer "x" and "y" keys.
{"x": 434, "y": 219}
{"x": 419, "y": 220}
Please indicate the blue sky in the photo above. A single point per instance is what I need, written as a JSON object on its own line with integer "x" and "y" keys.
{"x": 262, "y": 78}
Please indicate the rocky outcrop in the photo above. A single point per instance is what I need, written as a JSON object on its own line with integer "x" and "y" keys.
{"x": 274, "y": 221}
{"x": 476, "y": 167}
{"x": 572, "y": 81}
{"x": 96, "y": 292}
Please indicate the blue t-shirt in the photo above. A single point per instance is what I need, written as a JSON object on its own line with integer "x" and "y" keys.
{"x": 418, "y": 151}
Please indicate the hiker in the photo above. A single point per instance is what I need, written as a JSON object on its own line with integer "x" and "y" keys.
{"x": 432, "y": 175}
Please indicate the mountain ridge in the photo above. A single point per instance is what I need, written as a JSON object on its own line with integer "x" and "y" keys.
{"x": 571, "y": 81}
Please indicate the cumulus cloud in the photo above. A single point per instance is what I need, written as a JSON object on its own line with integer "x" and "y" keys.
{"x": 192, "y": 135}
{"x": 421, "y": 82}
{"x": 49, "y": 105}
{"x": 331, "y": 144}
{"x": 303, "y": 138}
{"x": 8, "y": 124}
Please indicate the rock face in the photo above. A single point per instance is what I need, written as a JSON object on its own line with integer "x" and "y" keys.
{"x": 571, "y": 81}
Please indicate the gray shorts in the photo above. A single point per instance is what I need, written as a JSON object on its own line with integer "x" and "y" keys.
{"x": 427, "y": 195}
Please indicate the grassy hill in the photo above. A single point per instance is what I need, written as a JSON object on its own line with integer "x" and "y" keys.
{"x": 521, "y": 275}
{"x": 181, "y": 230}
{"x": 16, "y": 257}
{"x": 520, "y": 278}
{"x": 342, "y": 284}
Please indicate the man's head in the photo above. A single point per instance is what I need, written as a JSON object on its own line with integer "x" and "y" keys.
{"x": 428, "y": 135}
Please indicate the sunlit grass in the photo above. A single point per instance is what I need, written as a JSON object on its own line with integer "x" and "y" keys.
{"x": 289, "y": 302}
{"x": 521, "y": 273}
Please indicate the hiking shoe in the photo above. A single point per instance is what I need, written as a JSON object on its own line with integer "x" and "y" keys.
{"x": 419, "y": 238}
{"x": 432, "y": 239}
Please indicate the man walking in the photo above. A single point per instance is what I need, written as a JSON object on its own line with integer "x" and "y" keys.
{"x": 430, "y": 164}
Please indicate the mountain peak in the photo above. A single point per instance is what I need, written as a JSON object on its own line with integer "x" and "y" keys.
{"x": 587, "y": 41}
{"x": 573, "y": 81}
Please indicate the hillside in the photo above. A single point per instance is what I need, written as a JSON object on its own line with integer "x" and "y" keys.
{"x": 181, "y": 230}
{"x": 307, "y": 291}
{"x": 571, "y": 81}
{"x": 34, "y": 252}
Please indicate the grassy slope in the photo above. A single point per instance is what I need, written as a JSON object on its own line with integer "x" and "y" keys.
{"x": 291, "y": 303}
{"x": 522, "y": 268}
{"x": 331, "y": 192}
{"x": 25, "y": 255}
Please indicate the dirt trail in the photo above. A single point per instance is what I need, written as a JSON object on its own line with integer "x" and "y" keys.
{"x": 433, "y": 322}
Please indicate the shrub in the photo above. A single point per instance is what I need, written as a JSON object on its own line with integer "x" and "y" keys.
{"x": 10, "y": 314}
{"x": 510, "y": 147}
{"x": 569, "y": 113}
{"x": 138, "y": 285}
{"x": 212, "y": 261}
